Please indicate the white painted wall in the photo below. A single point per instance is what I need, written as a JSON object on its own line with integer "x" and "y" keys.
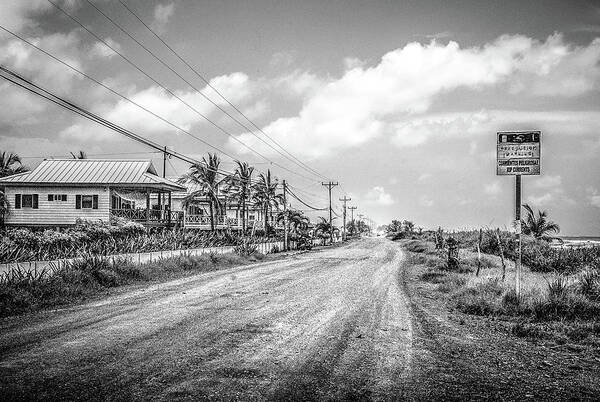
{"x": 56, "y": 213}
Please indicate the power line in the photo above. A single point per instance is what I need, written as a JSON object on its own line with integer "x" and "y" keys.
{"x": 115, "y": 92}
{"x": 161, "y": 61}
{"x": 44, "y": 93}
{"x": 207, "y": 82}
{"x": 170, "y": 92}
{"x": 303, "y": 202}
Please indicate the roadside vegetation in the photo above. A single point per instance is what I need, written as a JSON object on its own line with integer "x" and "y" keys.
{"x": 25, "y": 291}
{"x": 474, "y": 272}
{"x": 87, "y": 238}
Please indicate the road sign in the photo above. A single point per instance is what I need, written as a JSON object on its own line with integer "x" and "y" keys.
{"x": 518, "y": 153}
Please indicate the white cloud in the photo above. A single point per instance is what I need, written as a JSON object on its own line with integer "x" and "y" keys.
{"x": 236, "y": 87}
{"x": 493, "y": 188}
{"x": 540, "y": 200}
{"x": 548, "y": 181}
{"x": 50, "y": 73}
{"x": 299, "y": 83}
{"x": 377, "y": 195}
{"x": 101, "y": 50}
{"x": 353, "y": 62}
{"x": 426, "y": 201}
{"x": 417, "y": 130}
{"x": 18, "y": 106}
{"x": 162, "y": 14}
{"x": 594, "y": 197}
{"x": 424, "y": 176}
{"x": 367, "y": 102}
{"x": 16, "y": 14}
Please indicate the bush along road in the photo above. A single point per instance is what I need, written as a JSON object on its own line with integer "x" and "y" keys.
{"x": 357, "y": 321}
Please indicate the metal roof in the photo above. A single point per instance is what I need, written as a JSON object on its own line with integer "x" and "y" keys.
{"x": 115, "y": 172}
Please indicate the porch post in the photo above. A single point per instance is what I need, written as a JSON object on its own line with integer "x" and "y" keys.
{"x": 169, "y": 209}
{"x": 147, "y": 206}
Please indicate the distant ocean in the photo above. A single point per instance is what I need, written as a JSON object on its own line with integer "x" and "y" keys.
{"x": 580, "y": 240}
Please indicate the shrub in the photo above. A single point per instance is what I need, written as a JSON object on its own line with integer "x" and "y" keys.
{"x": 589, "y": 284}
{"x": 482, "y": 299}
{"x": 451, "y": 283}
{"x": 433, "y": 276}
{"x": 416, "y": 246}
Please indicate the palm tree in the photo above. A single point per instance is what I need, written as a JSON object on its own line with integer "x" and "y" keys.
{"x": 266, "y": 196}
{"x": 239, "y": 187}
{"x": 10, "y": 164}
{"x": 296, "y": 220}
{"x": 205, "y": 176}
{"x": 80, "y": 155}
{"x": 538, "y": 225}
{"x": 3, "y": 207}
{"x": 324, "y": 228}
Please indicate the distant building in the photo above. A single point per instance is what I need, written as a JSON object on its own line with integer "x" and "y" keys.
{"x": 60, "y": 191}
{"x": 197, "y": 214}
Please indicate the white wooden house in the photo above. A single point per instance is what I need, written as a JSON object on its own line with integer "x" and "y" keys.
{"x": 58, "y": 192}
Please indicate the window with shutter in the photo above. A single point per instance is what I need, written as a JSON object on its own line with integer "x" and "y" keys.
{"x": 17, "y": 201}
{"x": 50, "y": 197}
{"x": 27, "y": 201}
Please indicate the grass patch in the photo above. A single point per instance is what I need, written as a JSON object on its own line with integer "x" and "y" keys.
{"x": 416, "y": 246}
{"x": 21, "y": 292}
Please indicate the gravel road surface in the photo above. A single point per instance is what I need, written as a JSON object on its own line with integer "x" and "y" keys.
{"x": 329, "y": 324}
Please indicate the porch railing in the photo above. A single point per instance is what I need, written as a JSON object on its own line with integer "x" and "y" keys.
{"x": 151, "y": 216}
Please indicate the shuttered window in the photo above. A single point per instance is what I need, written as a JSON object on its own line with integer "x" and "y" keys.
{"x": 86, "y": 201}
{"x": 26, "y": 201}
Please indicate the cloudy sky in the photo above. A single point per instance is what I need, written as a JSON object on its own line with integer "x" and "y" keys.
{"x": 398, "y": 101}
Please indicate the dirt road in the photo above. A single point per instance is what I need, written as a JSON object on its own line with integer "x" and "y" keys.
{"x": 331, "y": 324}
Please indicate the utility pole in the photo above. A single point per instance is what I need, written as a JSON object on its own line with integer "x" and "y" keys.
{"x": 352, "y": 216}
{"x": 285, "y": 217}
{"x": 518, "y": 227}
{"x": 344, "y": 200}
{"x": 165, "y": 162}
{"x": 329, "y": 186}
{"x": 360, "y": 218}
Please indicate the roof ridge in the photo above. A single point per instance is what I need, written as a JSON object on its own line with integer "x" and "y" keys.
{"x": 96, "y": 160}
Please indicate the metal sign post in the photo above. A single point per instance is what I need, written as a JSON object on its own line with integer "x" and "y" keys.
{"x": 518, "y": 154}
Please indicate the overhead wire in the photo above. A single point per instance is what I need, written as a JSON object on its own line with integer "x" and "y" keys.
{"x": 207, "y": 82}
{"x": 304, "y": 203}
{"x": 166, "y": 65}
{"x": 87, "y": 76}
{"x": 48, "y": 95}
{"x": 170, "y": 92}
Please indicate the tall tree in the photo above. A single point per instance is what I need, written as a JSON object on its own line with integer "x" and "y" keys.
{"x": 538, "y": 226}
{"x": 206, "y": 178}
{"x": 239, "y": 188}
{"x": 296, "y": 219}
{"x": 4, "y": 207}
{"x": 266, "y": 196}
{"x": 323, "y": 228}
{"x": 10, "y": 164}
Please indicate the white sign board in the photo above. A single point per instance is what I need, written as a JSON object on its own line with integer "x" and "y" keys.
{"x": 518, "y": 153}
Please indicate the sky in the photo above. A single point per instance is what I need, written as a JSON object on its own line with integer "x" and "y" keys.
{"x": 399, "y": 102}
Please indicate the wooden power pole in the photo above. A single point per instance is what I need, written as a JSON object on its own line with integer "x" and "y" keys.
{"x": 352, "y": 216}
{"x": 329, "y": 186}
{"x": 344, "y": 200}
{"x": 285, "y": 217}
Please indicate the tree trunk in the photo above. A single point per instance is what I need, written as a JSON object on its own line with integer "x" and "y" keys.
{"x": 244, "y": 214}
{"x": 212, "y": 218}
